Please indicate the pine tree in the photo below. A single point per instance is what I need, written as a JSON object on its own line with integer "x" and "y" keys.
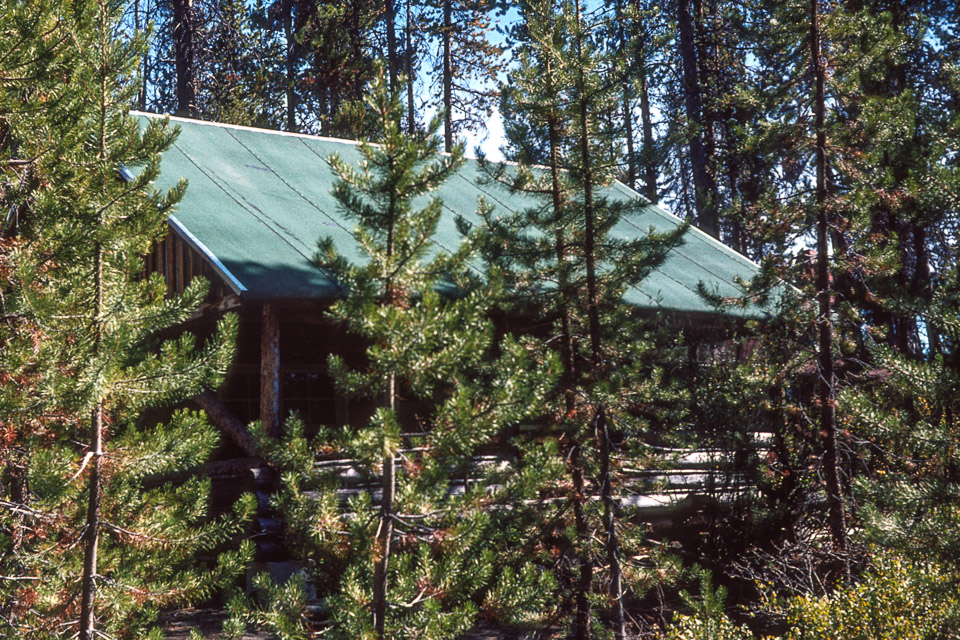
{"x": 415, "y": 552}
{"x": 910, "y": 418}
{"x": 337, "y": 46}
{"x": 91, "y": 545}
{"x": 466, "y": 66}
{"x": 902, "y": 187}
{"x": 240, "y": 78}
{"x": 570, "y": 263}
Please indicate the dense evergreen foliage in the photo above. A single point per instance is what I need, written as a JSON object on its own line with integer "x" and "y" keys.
{"x": 94, "y": 542}
{"x": 422, "y": 560}
{"x": 819, "y": 138}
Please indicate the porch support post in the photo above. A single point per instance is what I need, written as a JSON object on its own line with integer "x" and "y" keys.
{"x": 270, "y": 370}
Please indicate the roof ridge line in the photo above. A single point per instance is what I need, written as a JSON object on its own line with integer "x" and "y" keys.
{"x": 224, "y": 125}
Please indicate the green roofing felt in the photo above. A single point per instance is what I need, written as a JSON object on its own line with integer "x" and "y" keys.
{"x": 258, "y": 200}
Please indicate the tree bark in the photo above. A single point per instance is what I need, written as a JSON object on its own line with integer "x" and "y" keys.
{"x": 569, "y": 376}
{"x": 447, "y": 78}
{"x": 704, "y": 189}
{"x": 828, "y": 398}
{"x": 391, "y": 17}
{"x": 91, "y": 536}
{"x": 388, "y": 484}
{"x": 288, "y": 35}
{"x": 183, "y": 43}
{"x": 627, "y": 104}
{"x": 648, "y": 156}
{"x": 596, "y": 340}
{"x": 581, "y": 626}
{"x": 648, "y": 150}
{"x": 270, "y": 370}
{"x": 142, "y": 93}
{"x": 408, "y": 50}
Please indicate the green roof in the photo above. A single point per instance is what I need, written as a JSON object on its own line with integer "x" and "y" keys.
{"x": 259, "y": 200}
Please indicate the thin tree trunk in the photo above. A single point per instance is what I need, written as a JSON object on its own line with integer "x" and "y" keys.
{"x": 581, "y": 626}
{"x": 596, "y": 347}
{"x": 289, "y": 65}
{"x": 582, "y": 619}
{"x": 388, "y": 481}
{"x": 693, "y": 100}
{"x": 185, "y": 54}
{"x": 381, "y": 565}
{"x": 357, "y": 50}
{"x": 142, "y": 93}
{"x": 566, "y": 338}
{"x": 610, "y": 523}
{"x": 828, "y": 398}
{"x": 602, "y": 432}
{"x": 586, "y": 560}
{"x": 648, "y": 157}
{"x": 706, "y": 76}
{"x": 627, "y": 105}
{"x": 447, "y": 79}
{"x": 411, "y": 113}
{"x": 648, "y": 151}
{"x": 738, "y": 236}
{"x": 91, "y": 535}
{"x": 391, "y": 17}
{"x": 91, "y": 539}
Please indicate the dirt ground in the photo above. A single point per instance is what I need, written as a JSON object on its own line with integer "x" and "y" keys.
{"x": 209, "y": 622}
{"x": 178, "y": 624}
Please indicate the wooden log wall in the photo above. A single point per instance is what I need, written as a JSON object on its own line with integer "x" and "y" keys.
{"x": 179, "y": 264}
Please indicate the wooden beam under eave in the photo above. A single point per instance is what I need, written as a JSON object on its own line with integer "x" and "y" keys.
{"x": 270, "y": 370}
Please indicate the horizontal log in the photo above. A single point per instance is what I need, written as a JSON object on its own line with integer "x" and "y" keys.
{"x": 219, "y": 468}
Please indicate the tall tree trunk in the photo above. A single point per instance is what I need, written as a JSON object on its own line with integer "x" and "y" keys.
{"x": 627, "y": 103}
{"x": 447, "y": 78}
{"x": 356, "y": 49}
{"x": 704, "y": 188}
{"x": 391, "y": 17}
{"x": 560, "y": 247}
{"x": 569, "y": 379}
{"x": 707, "y": 76}
{"x": 828, "y": 397}
{"x": 291, "y": 90}
{"x": 388, "y": 481}
{"x": 388, "y": 484}
{"x": 610, "y": 524}
{"x": 91, "y": 538}
{"x": 596, "y": 346}
{"x": 408, "y": 50}
{"x": 185, "y": 54}
{"x": 648, "y": 155}
{"x": 738, "y": 236}
{"x": 581, "y": 623}
{"x": 142, "y": 93}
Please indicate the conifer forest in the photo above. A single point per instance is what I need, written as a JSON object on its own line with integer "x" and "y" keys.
{"x": 689, "y": 369}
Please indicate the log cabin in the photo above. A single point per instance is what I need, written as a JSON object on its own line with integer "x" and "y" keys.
{"x": 256, "y": 204}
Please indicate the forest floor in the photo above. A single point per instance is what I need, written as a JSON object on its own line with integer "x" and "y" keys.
{"x": 209, "y": 622}
{"x": 177, "y": 625}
